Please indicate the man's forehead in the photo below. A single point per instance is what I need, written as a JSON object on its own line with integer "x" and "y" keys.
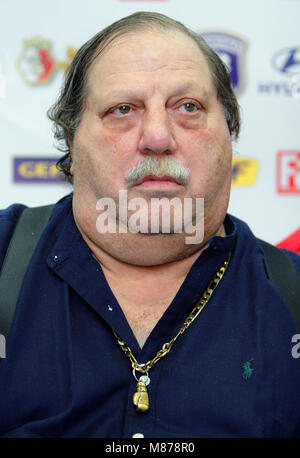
{"x": 150, "y": 51}
{"x": 127, "y": 90}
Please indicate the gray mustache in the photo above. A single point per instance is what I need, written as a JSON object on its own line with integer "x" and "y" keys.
{"x": 159, "y": 167}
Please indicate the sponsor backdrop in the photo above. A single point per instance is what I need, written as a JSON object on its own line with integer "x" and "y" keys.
{"x": 258, "y": 40}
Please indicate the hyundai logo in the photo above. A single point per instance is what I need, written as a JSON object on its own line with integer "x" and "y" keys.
{"x": 287, "y": 60}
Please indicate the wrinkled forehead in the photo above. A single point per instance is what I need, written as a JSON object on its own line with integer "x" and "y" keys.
{"x": 149, "y": 50}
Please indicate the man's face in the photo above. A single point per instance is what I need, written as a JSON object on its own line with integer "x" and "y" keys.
{"x": 150, "y": 94}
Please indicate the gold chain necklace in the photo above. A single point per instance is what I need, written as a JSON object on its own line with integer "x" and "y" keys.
{"x": 141, "y": 398}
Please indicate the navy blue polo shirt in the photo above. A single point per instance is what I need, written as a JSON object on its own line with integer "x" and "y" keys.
{"x": 231, "y": 374}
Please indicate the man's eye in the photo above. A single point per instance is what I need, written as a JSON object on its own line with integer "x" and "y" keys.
{"x": 189, "y": 107}
{"x": 122, "y": 110}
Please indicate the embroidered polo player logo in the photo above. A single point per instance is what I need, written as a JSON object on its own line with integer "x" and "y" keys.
{"x": 247, "y": 369}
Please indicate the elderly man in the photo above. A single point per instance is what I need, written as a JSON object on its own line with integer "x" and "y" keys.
{"x": 107, "y": 338}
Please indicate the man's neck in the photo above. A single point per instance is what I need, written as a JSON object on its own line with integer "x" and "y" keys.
{"x": 144, "y": 292}
{"x": 124, "y": 272}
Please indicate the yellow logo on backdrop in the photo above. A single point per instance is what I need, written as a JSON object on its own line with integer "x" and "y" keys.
{"x": 41, "y": 169}
{"x": 36, "y": 170}
{"x": 244, "y": 171}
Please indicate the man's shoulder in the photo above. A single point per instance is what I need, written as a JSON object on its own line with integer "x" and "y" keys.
{"x": 11, "y": 213}
{"x": 248, "y": 236}
{"x": 10, "y": 216}
{"x": 294, "y": 257}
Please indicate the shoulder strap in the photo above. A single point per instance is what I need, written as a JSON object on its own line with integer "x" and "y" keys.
{"x": 286, "y": 278}
{"x": 23, "y": 242}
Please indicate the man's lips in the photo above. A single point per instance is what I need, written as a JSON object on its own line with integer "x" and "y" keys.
{"x": 153, "y": 180}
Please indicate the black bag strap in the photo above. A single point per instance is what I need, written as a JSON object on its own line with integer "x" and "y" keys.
{"x": 282, "y": 272}
{"x": 20, "y": 250}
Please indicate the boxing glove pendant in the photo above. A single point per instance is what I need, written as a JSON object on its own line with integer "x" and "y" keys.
{"x": 141, "y": 398}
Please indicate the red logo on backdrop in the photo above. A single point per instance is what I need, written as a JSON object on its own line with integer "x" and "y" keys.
{"x": 288, "y": 171}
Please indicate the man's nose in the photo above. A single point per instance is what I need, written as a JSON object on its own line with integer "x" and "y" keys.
{"x": 157, "y": 135}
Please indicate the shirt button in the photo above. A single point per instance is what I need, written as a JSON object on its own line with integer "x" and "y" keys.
{"x": 136, "y": 435}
